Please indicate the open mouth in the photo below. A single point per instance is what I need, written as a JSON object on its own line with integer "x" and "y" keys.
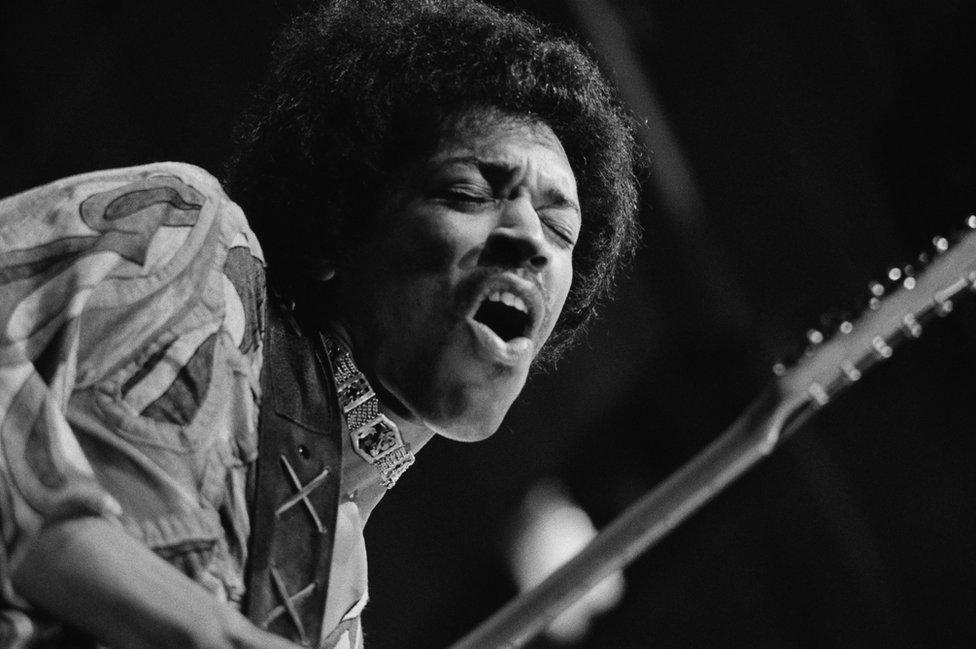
{"x": 506, "y": 314}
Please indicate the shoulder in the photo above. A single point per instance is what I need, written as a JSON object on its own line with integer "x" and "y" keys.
{"x": 71, "y": 187}
{"x": 138, "y": 201}
{"x": 127, "y": 254}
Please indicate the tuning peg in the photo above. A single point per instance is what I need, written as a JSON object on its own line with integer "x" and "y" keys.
{"x": 943, "y": 305}
{"x": 795, "y": 352}
{"x": 971, "y": 221}
{"x": 924, "y": 259}
{"x": 815, "y": 336}
{"x": 911, "y": 326}
{"x": 940, "y": 244}
{"x": 850, "y": 371}
{"x": 819, "y": 394}
{"x": 908, "y": 275}
{"x": 871, "y": 301}
{"x": 834, "y": 321}
{"x": 881, "y": 347}
{"x": 786, "y": 362}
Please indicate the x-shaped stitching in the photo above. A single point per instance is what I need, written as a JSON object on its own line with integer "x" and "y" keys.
{"x": 302, "y": 493}
{"x": 288, "y": 604}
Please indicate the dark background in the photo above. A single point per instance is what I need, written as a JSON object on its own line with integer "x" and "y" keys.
{"x": 797, "y": 149}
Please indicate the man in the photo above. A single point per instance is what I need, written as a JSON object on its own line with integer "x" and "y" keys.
{"x": 443, "y": 194}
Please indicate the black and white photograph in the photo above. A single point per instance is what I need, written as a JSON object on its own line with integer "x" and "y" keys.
{"x": 488, "y": 324}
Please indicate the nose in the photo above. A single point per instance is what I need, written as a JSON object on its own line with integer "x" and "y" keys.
{"x": 518, "y": 240}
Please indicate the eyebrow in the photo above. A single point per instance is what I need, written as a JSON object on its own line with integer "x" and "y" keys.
{"x": 496, "y": 171}
{"x": 557, "y": 199}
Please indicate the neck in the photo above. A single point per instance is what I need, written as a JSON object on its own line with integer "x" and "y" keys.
{"x": 362, "y": 481}
{"x": 389, "y": 404}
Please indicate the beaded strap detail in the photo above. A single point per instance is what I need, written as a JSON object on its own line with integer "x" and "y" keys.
{"x": 374, "y": 437}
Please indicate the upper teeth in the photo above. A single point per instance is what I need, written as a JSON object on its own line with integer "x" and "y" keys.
{"x": 508, "y": 299}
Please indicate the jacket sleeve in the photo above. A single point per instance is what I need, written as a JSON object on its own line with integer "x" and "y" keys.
{"x": 105, "y": 277}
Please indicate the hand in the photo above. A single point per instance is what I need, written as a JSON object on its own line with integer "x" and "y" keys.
{"x": 89, "y": 573}
{"x": 248, "y": 636}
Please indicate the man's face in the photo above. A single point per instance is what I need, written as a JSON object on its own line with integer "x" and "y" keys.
{"x": 448, "y": 306}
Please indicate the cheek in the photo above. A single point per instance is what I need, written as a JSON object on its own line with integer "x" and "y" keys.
{"x": 561, "y": 282}
{"x": 431, "y": 245}
{"x": 564, "y": 281}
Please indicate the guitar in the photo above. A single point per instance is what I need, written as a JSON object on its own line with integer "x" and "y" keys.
{"x": 897, "y": 310}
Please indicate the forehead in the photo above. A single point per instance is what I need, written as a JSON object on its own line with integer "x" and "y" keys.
{"x": 506, "y": 144}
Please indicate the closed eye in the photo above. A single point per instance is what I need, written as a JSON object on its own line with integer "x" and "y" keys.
{"x": 465, "y": 196}
{"x": 562, "y": 217}
{"x": 560, "y": 230}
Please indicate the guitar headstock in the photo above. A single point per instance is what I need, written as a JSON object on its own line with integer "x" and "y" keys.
{"x": 897, "y": 310}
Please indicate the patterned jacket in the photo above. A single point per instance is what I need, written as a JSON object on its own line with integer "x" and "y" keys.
{"x": 131, "y": 324}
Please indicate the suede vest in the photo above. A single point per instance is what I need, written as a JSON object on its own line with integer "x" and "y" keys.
{"x": 296, "y": 483}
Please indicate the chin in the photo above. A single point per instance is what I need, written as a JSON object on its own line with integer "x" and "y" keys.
{"x": 466, "y": 433}
{"x": 465, "y": 399}
{"x": 472, "y": 418}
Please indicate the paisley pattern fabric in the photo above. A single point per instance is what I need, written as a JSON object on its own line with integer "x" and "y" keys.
{"x": 131, "y": 322}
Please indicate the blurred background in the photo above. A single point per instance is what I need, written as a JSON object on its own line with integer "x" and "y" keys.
{"x": 797, "y": 149}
